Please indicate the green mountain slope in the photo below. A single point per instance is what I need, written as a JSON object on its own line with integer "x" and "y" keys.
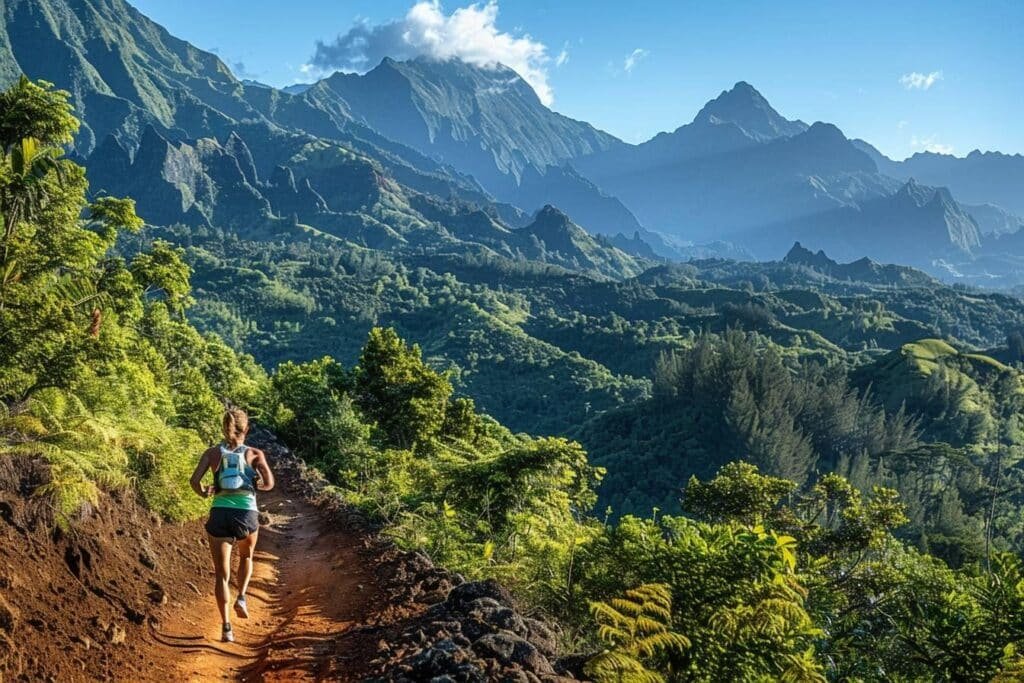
{"x": 123, "y": 70}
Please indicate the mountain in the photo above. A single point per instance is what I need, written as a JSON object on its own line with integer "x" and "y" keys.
{"x": 738, "y": 165}
{"x": 170, "y": 125}
{"x": 746, "y": 109}
{"x": 555, "y": 238}
{"x": 128, "y": 74}
{"x": 484, "y": 122}
{"x": 862, "y": 270}
{"x": 425, "y": 121}
{"x": 739, "y": 172}
{"x": 742, "y": 172}
{"x": 737, "y": 118}
{"x": 917, "y": 225}
{"x": 328, "y": 190}
{"x": 124, "y": 71}
{"x": 978, "y": 178}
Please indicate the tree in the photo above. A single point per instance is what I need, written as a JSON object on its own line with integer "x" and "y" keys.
{"x": 736, "y": 596}
{"x": 739, "y": 492}
{"x": 397, "y": 390}
{"x": 53, "y": 276}
{"x": 95, "y": 381}
{"x": 161, "y": 271}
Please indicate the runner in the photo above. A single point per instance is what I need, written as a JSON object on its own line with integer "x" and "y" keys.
{"x": 238, "y": 471}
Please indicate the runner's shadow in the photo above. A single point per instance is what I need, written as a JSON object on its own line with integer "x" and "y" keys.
{"x": 193, "y": 644}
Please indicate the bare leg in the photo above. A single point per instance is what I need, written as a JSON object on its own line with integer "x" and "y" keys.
{"x": 246, "y": 549}
{"x": 220, "y": 549}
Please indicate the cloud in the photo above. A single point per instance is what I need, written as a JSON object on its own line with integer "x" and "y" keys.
{"x": 238, "y": 68}
{"x": 919, "y": 81}
{"x": 468, "y": 33}
{"x": 930, "y": 144}
{"x": 242, "y": 71}
{"x": 563, "y": 56}
{"x": 634, "y": 58}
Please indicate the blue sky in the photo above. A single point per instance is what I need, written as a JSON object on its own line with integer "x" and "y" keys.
{"x": 906, "y": 76}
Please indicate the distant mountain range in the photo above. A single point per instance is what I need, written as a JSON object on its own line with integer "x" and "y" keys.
{"x": 978, "y": 178}
{"x": 170, "y": 125}
{"x": 362, "y": 156}
{"x": 742, "y": 171}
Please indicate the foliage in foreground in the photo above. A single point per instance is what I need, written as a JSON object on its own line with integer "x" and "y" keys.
{"x": 100, "y": 374}
{"x": 636, "y": 628}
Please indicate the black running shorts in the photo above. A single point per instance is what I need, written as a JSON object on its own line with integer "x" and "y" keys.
{"x": 232, "y": 523}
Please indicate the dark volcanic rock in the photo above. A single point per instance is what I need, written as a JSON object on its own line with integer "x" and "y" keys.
{"x": 513, "y": 650}
{"x": 464, "y": 596}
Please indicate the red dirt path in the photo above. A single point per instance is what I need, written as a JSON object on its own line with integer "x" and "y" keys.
{"x": 309, "y": 586}
{"x": 90, "y": 605}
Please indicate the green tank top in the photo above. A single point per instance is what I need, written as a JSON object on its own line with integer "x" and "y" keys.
{"x": 236, "y": 499}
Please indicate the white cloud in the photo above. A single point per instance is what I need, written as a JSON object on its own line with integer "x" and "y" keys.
{"x": 930, "y": 144}
{"x": 920, "y": 81}
{"x": 563, "y": 56}
{"x": 634, "y": 58}
{"x": 469, "y": 33}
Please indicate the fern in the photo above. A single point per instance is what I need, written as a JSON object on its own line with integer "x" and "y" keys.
{"x": 108, "y": 447}
{"x": 637, "y": 628}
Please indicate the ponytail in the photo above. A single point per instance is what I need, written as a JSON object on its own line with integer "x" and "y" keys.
{"x": 235, "y": 425}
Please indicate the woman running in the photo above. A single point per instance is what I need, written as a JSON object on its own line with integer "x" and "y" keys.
{"x": 238, "y": 471}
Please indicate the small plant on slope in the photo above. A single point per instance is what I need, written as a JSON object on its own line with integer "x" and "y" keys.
{"x": 637, "y": 628}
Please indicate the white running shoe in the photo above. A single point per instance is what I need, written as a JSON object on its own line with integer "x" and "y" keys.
{"x": 241, "y": 609}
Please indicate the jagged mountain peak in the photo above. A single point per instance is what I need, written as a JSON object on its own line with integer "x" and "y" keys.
{"x": 485, "y": 121}
{"x": 747, "y": 108}
{"x": 553, "y": 232}
{"x": 550, "y": 217}
{"x": 801, "y": 255}
{"x": 455, "y": 74}
{"x": 863, "y": 269}
{"x": 916, "y": 193}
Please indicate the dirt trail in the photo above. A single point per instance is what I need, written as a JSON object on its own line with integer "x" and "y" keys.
{"x": 310, "y": 592}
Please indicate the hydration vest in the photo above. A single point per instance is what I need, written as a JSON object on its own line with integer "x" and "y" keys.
{"x": 234, "y": 475}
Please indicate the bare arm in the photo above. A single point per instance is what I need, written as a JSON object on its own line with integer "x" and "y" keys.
{"x": 259, "y": 463}
{"x": 196, "y": 482}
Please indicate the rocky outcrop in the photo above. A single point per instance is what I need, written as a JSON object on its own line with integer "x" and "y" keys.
{"x": 474, "y": 634}
{"x": 862, "y": 270}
